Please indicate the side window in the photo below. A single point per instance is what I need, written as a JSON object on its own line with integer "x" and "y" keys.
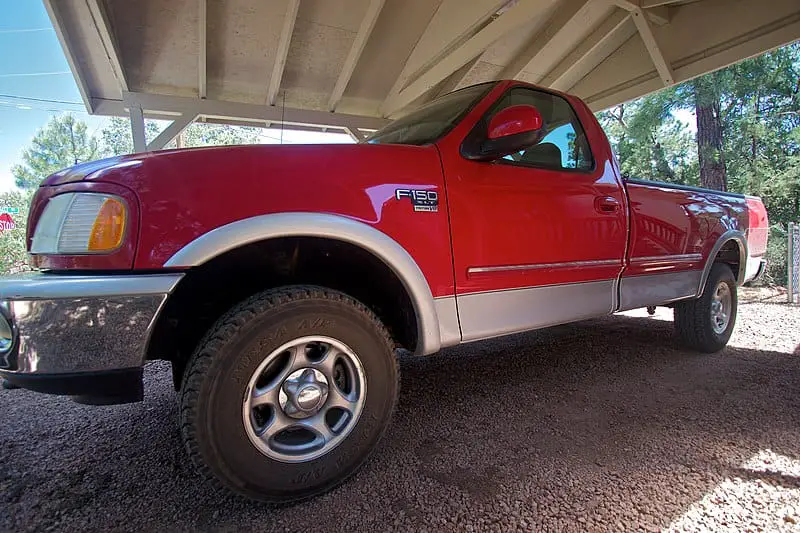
{"x": 564, "y": 147}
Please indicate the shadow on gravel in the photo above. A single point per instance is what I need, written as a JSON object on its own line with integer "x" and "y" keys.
{"x": 605, "y": 424}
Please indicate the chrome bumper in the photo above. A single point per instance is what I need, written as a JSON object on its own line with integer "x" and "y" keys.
{"x": 73, "y": 325}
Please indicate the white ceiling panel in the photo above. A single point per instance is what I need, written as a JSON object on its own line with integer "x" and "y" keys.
{"x": 391, "y": 55}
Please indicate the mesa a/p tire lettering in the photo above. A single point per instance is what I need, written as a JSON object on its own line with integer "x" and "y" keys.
{"x": 319, "y": 322}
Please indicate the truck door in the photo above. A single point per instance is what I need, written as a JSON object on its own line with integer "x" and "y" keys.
{"x": 539, "y": 236}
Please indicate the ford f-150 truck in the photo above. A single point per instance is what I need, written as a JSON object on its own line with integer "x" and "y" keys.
{"x": 281, "y": 281}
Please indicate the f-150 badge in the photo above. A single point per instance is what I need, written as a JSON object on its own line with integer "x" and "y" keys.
{"x": 422, "y": 200}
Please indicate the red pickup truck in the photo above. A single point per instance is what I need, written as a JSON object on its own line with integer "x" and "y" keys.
{"x": 280, "y": 281}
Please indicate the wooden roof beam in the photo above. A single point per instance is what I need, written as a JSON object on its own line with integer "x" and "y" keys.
{"x": 517, "y": 15}
{"x": 364, "y": 31}
{"x": 282, "y": 51}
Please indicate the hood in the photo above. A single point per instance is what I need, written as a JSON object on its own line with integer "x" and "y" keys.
{"x": 246, "y": 166}
{"x": 80, "y": 172}
{"x": 92, "y": 170}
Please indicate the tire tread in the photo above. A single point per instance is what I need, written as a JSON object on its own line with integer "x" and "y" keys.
{"x": 692, "y": 323}
{"x": 225, "y": 329}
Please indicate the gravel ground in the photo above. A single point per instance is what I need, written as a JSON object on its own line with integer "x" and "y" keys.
{"x": 601, "y": 425}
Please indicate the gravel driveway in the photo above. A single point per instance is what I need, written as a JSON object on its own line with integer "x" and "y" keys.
{"x": 599, "y": 425}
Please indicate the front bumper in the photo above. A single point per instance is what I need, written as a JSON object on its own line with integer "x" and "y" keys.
{"x": 83, "y": 336}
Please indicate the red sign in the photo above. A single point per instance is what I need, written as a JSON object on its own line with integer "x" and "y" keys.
{"x": 6, "y": 222}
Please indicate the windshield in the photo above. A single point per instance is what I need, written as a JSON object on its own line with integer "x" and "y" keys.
{"x": 433, "y": 120}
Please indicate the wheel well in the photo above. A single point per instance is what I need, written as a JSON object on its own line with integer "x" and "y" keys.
{"x": 730, "y": 254}
{"x": 209, "y": 290}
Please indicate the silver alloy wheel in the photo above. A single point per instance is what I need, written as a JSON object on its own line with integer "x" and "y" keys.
{"x": 721, "y": 307}
{"x": 304, "y": 399}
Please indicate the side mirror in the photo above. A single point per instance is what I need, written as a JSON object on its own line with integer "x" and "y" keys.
{"x": 510, "y": 130}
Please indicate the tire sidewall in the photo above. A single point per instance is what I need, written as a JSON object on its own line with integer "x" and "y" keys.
{"x": 227, "y": 448}
{"x": 720, "y": 273}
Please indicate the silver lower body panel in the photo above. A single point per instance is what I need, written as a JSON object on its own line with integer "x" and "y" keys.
{"x": 658, "y": 289}
{"x": 491, "y": 314}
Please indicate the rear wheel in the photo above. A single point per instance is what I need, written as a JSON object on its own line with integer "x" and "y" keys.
{"x": 706, "y": 324}
{"x": 288, "y": 394}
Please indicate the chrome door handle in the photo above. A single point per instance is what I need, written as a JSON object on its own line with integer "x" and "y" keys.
{"x": 606, "y": 204}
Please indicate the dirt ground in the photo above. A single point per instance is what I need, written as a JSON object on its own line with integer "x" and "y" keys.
{"x": 601, "y": 425}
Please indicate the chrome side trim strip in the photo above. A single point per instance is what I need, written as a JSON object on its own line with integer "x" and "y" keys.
{"x": 540, "y": 266}
{"x": 679, "y": 258}
{"x": 263, "y": 227}
{"x": 657, "y": 289}
{"x": 449, "y": 327}
{"x": 43, "y": 286}
{"x": 491, "y": 314}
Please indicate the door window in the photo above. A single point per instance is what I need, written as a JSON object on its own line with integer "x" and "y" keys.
{"x": 564, "y": 146}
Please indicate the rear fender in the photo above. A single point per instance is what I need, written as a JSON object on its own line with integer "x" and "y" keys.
{"x": 730, "y": 235}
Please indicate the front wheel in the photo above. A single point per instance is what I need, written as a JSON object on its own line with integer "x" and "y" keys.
{"x": 706, "y": 324}
{"x": 288, "y": 393}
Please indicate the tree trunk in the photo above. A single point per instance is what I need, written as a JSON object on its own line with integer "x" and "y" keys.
{"x": 754, "y": 140}
{"x": 709, "y": 135}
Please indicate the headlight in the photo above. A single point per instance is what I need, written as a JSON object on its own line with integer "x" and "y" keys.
{"x": 80, "y": 223}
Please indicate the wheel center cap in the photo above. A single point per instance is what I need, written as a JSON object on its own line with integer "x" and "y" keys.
{"x": 303, "y": 393}
{"x": 308, "y": 397}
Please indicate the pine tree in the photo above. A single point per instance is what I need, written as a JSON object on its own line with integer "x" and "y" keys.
{"x": 62, "y": 143}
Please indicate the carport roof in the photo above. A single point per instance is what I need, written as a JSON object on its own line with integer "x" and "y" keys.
{"x": 351, "y": 64}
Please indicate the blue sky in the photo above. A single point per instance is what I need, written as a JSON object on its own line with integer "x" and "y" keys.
{"x": 32, "y": 65}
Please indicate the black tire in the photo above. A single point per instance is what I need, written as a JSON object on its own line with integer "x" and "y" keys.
{"x": 218, "y": 373}
{"x": 693, "y": 322}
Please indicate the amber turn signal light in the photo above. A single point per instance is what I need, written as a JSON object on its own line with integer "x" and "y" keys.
{"x": 109, "y": 226}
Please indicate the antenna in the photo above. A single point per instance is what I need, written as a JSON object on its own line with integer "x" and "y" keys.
{"x": 283, "y": 113}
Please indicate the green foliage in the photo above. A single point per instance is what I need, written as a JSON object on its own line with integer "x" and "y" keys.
{"x": 62, "y": 143}
{"x": 203, "y": 134}
{"x": 117, "y": 138}
{"x": 776, "y": 256}
{"x": 759, "y": 111}
{"x": 12, "y": 242}
{"x": 761, "y": 115}
{"x": 650, "y": 142}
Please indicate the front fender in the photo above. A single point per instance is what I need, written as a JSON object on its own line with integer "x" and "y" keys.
{"x": 335, "y": 227}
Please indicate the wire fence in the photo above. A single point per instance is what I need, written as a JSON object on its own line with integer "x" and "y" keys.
{"x": 793, "y": 263}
